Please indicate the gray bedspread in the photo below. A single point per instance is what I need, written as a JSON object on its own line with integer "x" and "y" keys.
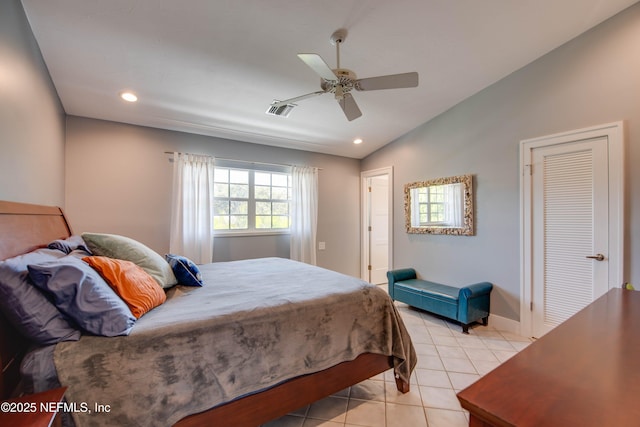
{"x": 254, "y": 324}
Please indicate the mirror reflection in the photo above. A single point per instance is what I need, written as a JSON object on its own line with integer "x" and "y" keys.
{"x": 440, "y": 206}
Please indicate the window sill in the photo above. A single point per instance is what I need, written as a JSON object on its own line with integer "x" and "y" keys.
{"x": 253, "y": 233}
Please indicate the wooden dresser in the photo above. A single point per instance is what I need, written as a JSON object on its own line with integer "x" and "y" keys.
{"x": 585, "y": 372}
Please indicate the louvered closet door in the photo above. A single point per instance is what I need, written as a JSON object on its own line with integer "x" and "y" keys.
{"x": 570, "y": 224}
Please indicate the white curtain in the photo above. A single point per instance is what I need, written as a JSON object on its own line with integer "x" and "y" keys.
{"x": 192, "y": 207}
{"x": 415, "y": 206}
{"x": 454, "y": 205}
{"x": 304, "y": 214}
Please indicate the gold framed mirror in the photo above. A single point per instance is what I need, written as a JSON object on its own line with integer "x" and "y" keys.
{"x": 440, "y": 206}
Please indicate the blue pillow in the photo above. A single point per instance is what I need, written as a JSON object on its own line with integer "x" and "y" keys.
{"x": 81, "y": 293}
{"x": 69, "y": 244}
{"x": 28, "y": 309}
{"x": 185, "y": 270}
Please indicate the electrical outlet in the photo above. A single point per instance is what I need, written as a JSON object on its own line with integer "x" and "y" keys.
{"x": 321, "y": 246}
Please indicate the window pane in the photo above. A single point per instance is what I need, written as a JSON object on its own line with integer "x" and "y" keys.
{"x": 263, "y": 221}
{"x": 239, "y": 191}
{"x": 220, "y": 190}
{"x": 239, "y": 176}
{"x": 422, "y": 198}
{"x": 263, "y": 208}
{"x": 239, "y": 222}
{"x": 239, "y": 207}
{"x": 221, "y": 222}
{"x": 221, "y": 207}
{"x": 280, "y": 222}
{"x": 221, "y": 175}
{"x": 279, "y": 180}
{"x": 263, "y": 192}
{"x": 279, "y": 193}
{"x": 280, "y": 208}
{"x": 262, "y": 178}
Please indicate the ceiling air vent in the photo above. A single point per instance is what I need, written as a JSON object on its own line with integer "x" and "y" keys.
{"x": 280, "y": 110}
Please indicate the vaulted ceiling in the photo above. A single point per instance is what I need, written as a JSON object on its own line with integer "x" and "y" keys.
{"x": 213, "y": 67}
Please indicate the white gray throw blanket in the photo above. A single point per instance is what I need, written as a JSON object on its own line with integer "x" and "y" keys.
{"x": 254, "y": 324}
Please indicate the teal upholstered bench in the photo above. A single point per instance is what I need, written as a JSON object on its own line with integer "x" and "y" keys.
{"x": 466, "y": 305}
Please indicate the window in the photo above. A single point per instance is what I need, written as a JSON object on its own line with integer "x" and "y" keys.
{"x": 435, "y": 205}
{"x": 431, "y": 205}
{"x": 251, "y": 200}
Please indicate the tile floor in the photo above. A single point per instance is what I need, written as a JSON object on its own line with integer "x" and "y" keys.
{"x": 448, "y": 361}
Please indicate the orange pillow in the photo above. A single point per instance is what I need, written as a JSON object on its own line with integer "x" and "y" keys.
{"x": 135, "y": 286}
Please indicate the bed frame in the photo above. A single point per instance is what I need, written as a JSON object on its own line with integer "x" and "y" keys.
{"x": 25, "y": 227}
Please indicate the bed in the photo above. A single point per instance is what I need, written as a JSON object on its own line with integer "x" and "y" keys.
{"x": 249, "y": 396}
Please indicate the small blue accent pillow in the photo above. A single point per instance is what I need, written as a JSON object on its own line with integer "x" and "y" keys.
{"x": 81, "y": 293}
{"x": 185, "y": 270}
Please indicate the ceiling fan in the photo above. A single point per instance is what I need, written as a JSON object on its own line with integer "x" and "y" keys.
{"x": 341, "y": 81}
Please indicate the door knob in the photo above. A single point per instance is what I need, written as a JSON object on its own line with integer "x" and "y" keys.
{"x": 598, "y": 257}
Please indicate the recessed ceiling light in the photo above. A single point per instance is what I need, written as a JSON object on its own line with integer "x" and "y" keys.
{"x": 357, "y": 141}
{"x": 129, "y": 96}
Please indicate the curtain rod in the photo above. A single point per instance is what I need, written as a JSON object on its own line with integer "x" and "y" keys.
{"x": 241, "y": 161}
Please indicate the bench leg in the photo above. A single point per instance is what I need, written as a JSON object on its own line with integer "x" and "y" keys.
{"x": 465, "y": 328}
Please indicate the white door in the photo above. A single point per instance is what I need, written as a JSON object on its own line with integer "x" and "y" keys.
{"x": 570, "y": 223}
{"x": 572, "y": 209}
{"x": 378, "y": 228}
{"x": 377, "y": 222}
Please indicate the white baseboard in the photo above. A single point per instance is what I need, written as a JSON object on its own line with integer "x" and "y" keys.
{"x": 503, "y": 324}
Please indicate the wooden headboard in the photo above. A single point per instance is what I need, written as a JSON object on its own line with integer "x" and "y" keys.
{"x": 23, "y": 228}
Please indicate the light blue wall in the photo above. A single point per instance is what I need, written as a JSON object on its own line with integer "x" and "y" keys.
{"x": 31, "y": 116}
{"x": 592, "y": 80}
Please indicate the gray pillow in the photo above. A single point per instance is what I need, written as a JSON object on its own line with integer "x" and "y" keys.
{"x": 26, "y": 307}
{"x": 120, "y": 247}
{"x": 81, "y": 293}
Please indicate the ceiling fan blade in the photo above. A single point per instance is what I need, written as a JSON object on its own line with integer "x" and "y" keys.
{"x": 317, "y": 64}
{"x": 297, "y": 98}
{"x": 392, "y": 81}
{"x": 349, "y": 107}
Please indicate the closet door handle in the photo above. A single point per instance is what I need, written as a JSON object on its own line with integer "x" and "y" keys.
{"x": 598, "y": 257}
